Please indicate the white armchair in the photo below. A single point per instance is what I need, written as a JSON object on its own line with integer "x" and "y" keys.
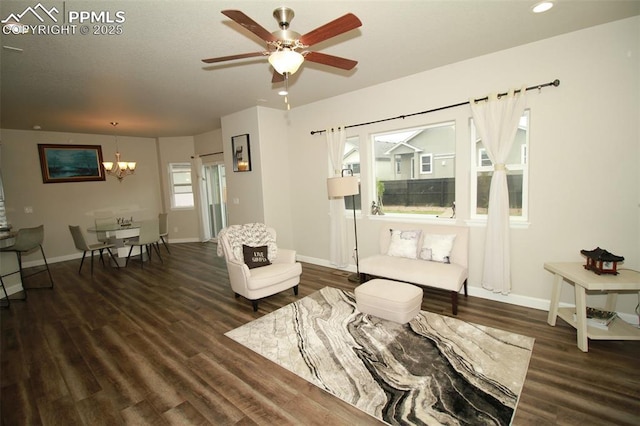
{"x": 281, "y": 274}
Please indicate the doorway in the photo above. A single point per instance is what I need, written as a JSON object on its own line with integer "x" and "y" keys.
{"x": 214, "y": 199}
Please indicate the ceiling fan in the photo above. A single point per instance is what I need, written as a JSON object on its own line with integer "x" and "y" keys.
{"x": 283, "y": 45}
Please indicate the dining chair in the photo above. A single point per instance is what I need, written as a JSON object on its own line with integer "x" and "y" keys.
{"x": 81, "y": 244}
{"x": 26, "y": 241}
{"x": 104, "y": 222}
{"x": 149, "y": 238}
{"x": 164, "y": 229}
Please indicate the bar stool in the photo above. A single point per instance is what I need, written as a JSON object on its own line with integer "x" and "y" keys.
{"x": 6, "y": 296}
{"x": 4, "y": 289}
{"x": 27, "y": 240}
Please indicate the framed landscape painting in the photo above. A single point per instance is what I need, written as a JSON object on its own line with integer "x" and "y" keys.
{"x": 70, "y": 163}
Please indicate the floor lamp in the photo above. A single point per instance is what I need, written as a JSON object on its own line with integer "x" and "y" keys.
{"x": 343, "y": 186}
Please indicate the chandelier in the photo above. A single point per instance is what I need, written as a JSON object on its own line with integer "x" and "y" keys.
{"x": 119, "y": 169}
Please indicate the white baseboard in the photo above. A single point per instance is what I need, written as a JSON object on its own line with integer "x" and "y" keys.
{"x": 13, "y": 289}
{"x": 512, "y": 299}
{"x": 78, "y": 255}
{"x": 185, "y": 240}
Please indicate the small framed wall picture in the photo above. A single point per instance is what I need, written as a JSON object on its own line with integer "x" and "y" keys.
{"x": 241, "y": 153}
{"x": 70, "y": 163}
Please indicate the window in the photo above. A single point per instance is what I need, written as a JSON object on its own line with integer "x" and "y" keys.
{"x": 517, "y": 173}
{"x": 425, "y": 163}
{"x": 181, "y": 188}
{"x": 408, "y": 178}
{"x": 483, "y": 158}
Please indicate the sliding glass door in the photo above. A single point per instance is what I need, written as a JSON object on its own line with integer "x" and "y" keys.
{"x": 215, "y": 197}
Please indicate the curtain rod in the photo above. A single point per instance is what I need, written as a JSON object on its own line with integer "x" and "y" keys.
{"x": 210, "y": 153}
{"x": 554, "y": 83}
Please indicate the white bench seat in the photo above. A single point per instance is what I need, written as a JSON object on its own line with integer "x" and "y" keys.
{"x": 446, "y": 276}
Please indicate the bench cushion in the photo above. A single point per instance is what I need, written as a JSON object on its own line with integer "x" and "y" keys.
{"x": 390, "y": 300}
{"x": 423, "y": 272}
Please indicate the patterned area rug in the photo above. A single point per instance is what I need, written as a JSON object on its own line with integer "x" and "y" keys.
{"x": 433, "y": 370}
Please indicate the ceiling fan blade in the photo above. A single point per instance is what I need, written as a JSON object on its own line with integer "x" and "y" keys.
{"x": 337, "y": 26}
{"x": 277, "y": 77}
{"x": 232, "y": 57}
{"x": 249, "y": 24}
{"x": 334, "y": 61}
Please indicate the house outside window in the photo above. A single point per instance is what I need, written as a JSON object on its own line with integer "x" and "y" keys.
{"x": 425, "y": 163}
{"x": 517, "y": 173}
{"x": 410, "y": 178}
{"x": 354, "y": 167}
{"x": 483, "y": 158}
{"x": 181, "y": 186}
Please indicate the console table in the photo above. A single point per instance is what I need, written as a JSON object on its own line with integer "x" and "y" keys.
{"x": 584, "y": 280}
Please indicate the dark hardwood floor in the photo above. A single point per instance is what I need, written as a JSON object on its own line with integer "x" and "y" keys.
{"x": 146, "y": 346}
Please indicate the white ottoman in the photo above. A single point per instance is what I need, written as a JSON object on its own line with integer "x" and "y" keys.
{"x": 387, "y": 299}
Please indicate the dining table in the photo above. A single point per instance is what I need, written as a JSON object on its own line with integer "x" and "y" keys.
{"x": 118, "y": 234}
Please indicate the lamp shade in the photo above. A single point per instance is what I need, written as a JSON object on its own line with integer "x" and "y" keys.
{"x": 286, "y": 61}
{"x": 342, "y": 186}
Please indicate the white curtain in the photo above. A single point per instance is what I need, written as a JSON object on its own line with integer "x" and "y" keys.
{"x": 338, "y": 250}
{"x": 496, "y": 121}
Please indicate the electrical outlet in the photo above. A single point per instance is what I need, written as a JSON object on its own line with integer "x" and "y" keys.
{"x": 28, "y": 209}
{"x": 175, "y": 229}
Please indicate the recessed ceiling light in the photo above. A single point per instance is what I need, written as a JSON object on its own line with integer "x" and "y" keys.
{"x": 543, "y": 6}
{"x": 283, "y": 93}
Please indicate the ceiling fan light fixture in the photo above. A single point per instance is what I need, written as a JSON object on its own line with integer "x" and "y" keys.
{"x": 286, "y": 61}
{"x": 542, "y": 6}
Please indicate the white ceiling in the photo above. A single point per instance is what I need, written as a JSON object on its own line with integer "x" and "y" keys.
{"x": 151, "y": 79}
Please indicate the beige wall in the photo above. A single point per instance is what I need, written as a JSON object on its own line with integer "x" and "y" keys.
{"x": 183, "y": 223}
{"x": 244, "y": 189}
{"x": 57, "y": 205}
{"x": 263, "y": 194}
{"x": 584, "y": 153}
{"x": 209, "y": 143}
{"x": 276, "y": 173}
{"x": 143, "y": 195}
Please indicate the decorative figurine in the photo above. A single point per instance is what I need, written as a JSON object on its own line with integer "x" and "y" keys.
{"x": 601, "y": 261}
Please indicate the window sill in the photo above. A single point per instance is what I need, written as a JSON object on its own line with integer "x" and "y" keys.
{"x": 513, "y": 224}
{"x": 411, "y": 218}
